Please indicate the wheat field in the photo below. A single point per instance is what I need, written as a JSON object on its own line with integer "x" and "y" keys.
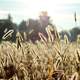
{"x": 44, "y": 60}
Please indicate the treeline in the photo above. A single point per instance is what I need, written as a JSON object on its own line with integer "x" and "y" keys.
{"x": 31, "y": 27}
{"x": 71, "y": 34}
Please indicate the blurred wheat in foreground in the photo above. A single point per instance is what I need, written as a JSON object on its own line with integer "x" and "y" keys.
{"x": 40, "y": 61}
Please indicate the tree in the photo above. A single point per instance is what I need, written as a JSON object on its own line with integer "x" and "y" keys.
{"x": 74, "y": 32}
{"x": 22, "y": 26}
{"x": 9, "y": 17}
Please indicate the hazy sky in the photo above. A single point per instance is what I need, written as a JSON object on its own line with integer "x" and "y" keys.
{"x": 61, "y": 11}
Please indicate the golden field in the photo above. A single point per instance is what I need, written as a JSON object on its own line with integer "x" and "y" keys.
{"x": 40, "y": 61}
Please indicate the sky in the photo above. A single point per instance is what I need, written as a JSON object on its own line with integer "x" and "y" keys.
{"x": 60, "y": 11}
